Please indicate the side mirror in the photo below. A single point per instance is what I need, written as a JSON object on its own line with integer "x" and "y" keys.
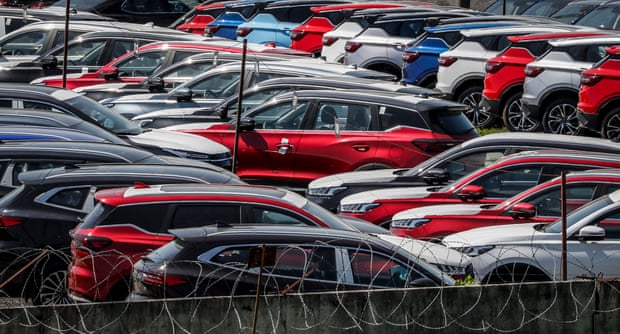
{"x": 48, "y": 62}
{"x": 422, "y": 282}
{"x": 247, "y": 124}
{"x": 155, "y": 84}
{"x": 435, "y": 176}
{"x": 183, "y": 94}
{"x": 522, "y": 210}
{"x": 109, "y": 72}
{"x": 471, "y": 193}
{"x": 591, "y": 232}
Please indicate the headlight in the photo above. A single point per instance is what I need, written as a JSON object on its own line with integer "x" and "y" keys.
{"x": 456, "y": 272}
{"x": 109, "y": 105}
{"x": 220, "y": 159}
{"x": 474, "y": 250}
{"x": 409, "y": 223}
{"x": 357, "y": 208}
{"x": 325, "y": 191}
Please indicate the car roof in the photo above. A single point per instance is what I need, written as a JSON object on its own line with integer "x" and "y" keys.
{"x": 518, "y": 29}
{"x": 613, "y": 38}
{"x": 539, "y": 138}
{"x": 33, "y": 132}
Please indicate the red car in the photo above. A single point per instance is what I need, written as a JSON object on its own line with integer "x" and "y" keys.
{"x": 308, "y": 36}
{"x": 491, "y": 184}
{"x": 197, "y": 19}
{"x": 540, "y": 204}
{"x": 505, "y": 73}
{"x": 598, "y": 108}
{"x": 129, "y": 222}
{"x": 136, "y": 66}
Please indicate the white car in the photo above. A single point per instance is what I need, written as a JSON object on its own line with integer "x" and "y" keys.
{"x": 551, "y": 86}
{"x": 460, "y": 76}
{"x": 533, "y": 252}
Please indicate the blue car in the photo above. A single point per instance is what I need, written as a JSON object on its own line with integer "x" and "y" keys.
{"x": 420, "y": 60}
{"x": 273, "y": 24}
{"x": 27, "y": 132}
{"x": 236, "y": 13}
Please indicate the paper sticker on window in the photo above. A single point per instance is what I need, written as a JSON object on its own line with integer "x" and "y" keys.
{"x": 382, "y": 110}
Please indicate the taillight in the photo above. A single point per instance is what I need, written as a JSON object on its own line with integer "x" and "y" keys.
{"x": 297, "y": 35}
{"x": 11, "y": 221}
{"x": 493, "y": 66}
{"x": 242, "y": 32}
{"x": 161, "y": 280}
{"x": 447, "y": 61}
{"x": 210, "y": 30}
{"x": 352, "y": 47}
{"x": 92, "y": 243}
{"x": 590, "y": 79}
{"x": 532, "y": 71}
{"x": 329, "y": 40}
{"x": 410, "y": 57}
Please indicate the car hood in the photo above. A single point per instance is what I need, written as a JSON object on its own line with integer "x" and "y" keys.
{"x": 439, "y": 210}
{"x": 389, "y": 193}
{"x": 178, "y": 141}
{"x": 430, "y": 252}
{"x": 336, "y": 180}
{"x": 105, "y": 86}
{"x": 170, "y": 112}
{"x": 493, "y": 235}
{"x": 136, "y": 97}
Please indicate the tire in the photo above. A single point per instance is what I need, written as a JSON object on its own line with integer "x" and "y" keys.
{"x": 52, "y": 289}
{"x": 516, "y": 120}
{"x": 561, "y": 117}
{"x": 610, "y": 128}
{"x": 472, "y": 97}
{"x": 515, "y": 273}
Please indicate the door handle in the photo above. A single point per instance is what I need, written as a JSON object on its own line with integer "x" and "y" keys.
{"x": 361, "y": 147}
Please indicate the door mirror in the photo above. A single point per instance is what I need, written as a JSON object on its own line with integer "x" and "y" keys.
{"x": 471, "y": 193}
{"x": 522, "y": 210}
{"x": 435, "y": 176}
{"x": 183, "y": 94}
{"x": 109, "y": 72}
{"x": 247, "y": 124}
{"x": 155, "y": 84}
{"x": 48, "y": 62}
{"x": 591, "y": 232}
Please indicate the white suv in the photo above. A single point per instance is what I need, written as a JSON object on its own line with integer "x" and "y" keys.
{"x": 551, "y": 86}
{"x": 533, "y": 252}
{"x": 461, "y": 72}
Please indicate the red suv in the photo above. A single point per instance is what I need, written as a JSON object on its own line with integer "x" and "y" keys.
{"x": 599, "y": 97}
{"x": 129, "y": 222}
{"x": 505, "y": 73}
{"x": 492, "y": 184}
{"x": 308, "y": 36}
{"x": 540, "y": 204}
{"x": 197, "y": 19}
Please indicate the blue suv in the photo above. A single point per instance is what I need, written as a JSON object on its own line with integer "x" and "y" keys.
{"x": 235, "y": 14}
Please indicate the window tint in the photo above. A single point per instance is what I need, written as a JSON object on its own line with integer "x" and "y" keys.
{"x": 450, "y": 122}
{"x": 602, "y": 18}
{"x": 85, "y": 53}
{"x": 180, "y": 55}
{"x": 189, "y": 70}
{"x": 572, "y": 12}
{"x": 141, "y": 65}
{"x": 200, "y": 215}
{"x": 378, "y": 270}
{"x": 265, "y": 215}
{"x": 390, "y": 117}
{"x": 28, "y": 43}
{"x": 72, "y": 198}
{"x": 251, "y": 100}
{"x": 305, "y": 261}
{"x": 536, "y": 48}
{"x": 287, "y": 115}
{"x": 60, "y": 37}
{"x": 548, "y": 203}
{"x": 298, "y": 14}
{"x": 148, "y": 217}
{"x": 509, "y": 181}
{"x": 220, "y": 85}
{"x": 466, "y": 164}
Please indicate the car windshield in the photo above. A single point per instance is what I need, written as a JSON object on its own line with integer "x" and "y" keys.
{"x": 578, "y": 214}
{"x": 571, "y": 13}
{"x": 327, "y": 217}
{"x": 602, "y": 18}
{"x": 98, "y": 113}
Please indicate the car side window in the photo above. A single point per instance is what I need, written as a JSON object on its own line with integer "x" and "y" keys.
{"x": 28, "y": 43}
{"x": 287, "y": 115}
{"x": 24, "y": 166}
{"x": 86, "y": 53}
{"x": 377, "y": 270}
{"x": 510, "y": 181}
{"x": 266, "y": 215}
{"x": 148, "y": 217}
{"x": 611, "y": 224}
{"x": 60, "y": 37}
{"x": 142, "y": 64}
{"x": 199, "y": 215}
{"x": 390, "y": 117}
{"x": 468, "y": 163}
{"x": 72, "y": 198}
{"x": 548, "y": 203}
{"x": 220, "y": 85}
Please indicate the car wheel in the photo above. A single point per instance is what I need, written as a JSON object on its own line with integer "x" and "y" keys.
{"x": 472, "y": 97}
{"x": 372, "y": 166}
{"x": 53, "y": 289}
{"x": 561, "y": 117}
{"x": 610, "y": 127}
{"x": 516, "y": 120}
{"x": 515, "y": 273}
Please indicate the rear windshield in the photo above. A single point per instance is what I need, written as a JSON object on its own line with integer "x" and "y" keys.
{"x": 166, "y": 252}
{"x": 453, "y": 123}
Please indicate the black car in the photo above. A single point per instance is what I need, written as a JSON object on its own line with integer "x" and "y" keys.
{"x": 87, "y": 52}
{"x": 449, "y": 165}
{"x": 261, "y": 92}
{"x": 15, "y": 18}
{"x": 223, "y": 262}
{"x": 221, "y": 82}
{"x": 160, "y": 12}
{"x": 40, "y": 213}
{"x": 17, "y": 157}
{"x": 23, "y": 96}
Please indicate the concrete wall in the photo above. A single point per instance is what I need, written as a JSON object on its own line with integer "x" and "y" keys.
{"x": 572, "y": 307}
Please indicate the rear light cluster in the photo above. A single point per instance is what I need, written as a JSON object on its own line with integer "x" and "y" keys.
{"x": 410, "y": 57}
{"x": 92, "y": 243}
{"x": 10, "y": 221}
{"x": 352, "y": 47}
{"x": 297, "y": 35}
{"x": 161, "y": 280}
{"x": 447, "y": 61}
{"x": 329, "y": 40}
{"x": 590, "y": 79}
{"x": 532, "y": 71}
{"x": 493, "y": 66}
{"x": 242, "y": 32}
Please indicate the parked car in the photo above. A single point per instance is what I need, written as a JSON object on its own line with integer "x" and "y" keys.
{"x": 605, "y": 16}
{"x": 221, "y": 82}
{"x": 505, "y": 74}
{"x": 115, "y": 234}
{"x": 25, "y": 132}
{"x": 39, "y": 214}
{"x": 261, "y": 92}
{"x": 15, "y": 18}
{"x": 575, "y": 10}
{"x": 460, "y": 76}
{"x": 550, "y": 89}
{"x": 540, "y": 204}
{"x": 160, "y": 13}
{"x": 532, "y": 252}
{"x": 225, "y": 25}
{"x": 490, "y": 184}
{"x": 195, "y": 20}
{"x": 597, "y": 109}
{"x": 303, "y": 260}
{"x": 546, "y": 8}
{"x": 23, "y": 96}
{"x": 448, "y": 166}
{"x": 87, "y": 52}
{"x": 341, "y": 130}
{"x": 135, "y": 66}
{"x": 274, "y": 22}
